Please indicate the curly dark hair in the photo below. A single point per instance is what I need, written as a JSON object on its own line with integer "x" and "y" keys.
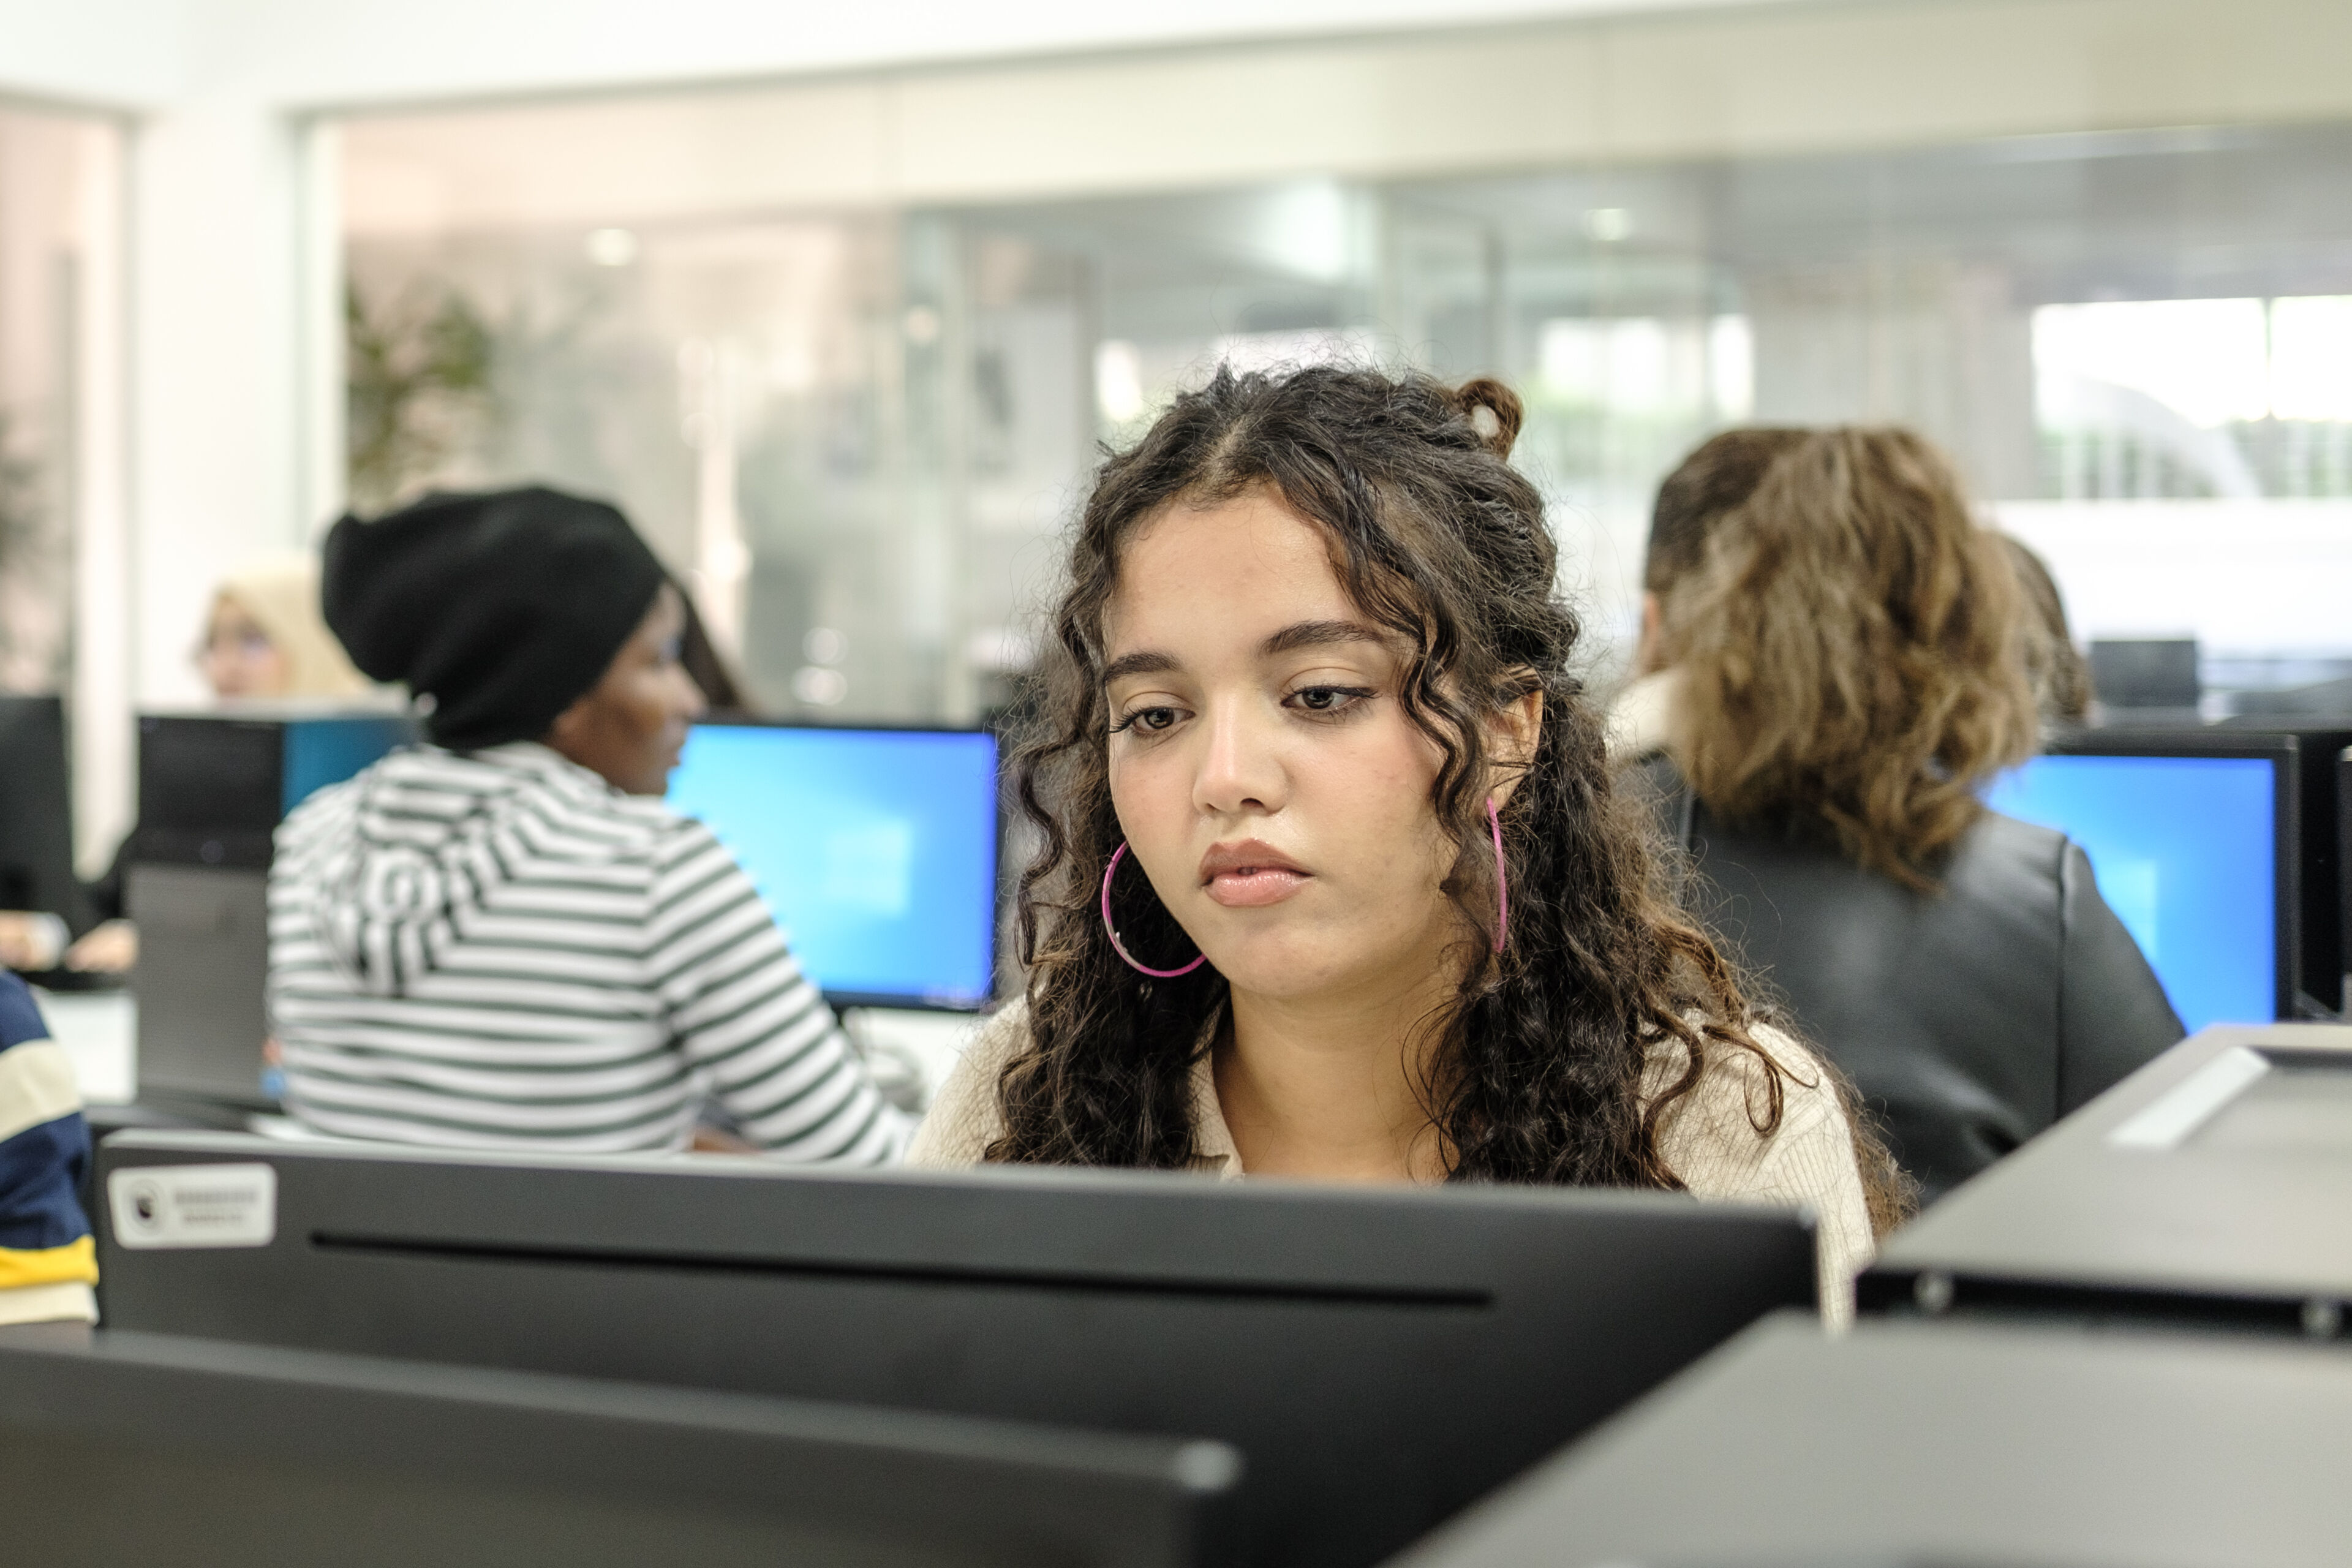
{"x": 1538, "y": 1066}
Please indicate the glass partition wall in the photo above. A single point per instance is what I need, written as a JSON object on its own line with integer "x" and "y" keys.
{"x": 55, "y": 189}
{"x": 859, "y": 434}
{"x": 64, "y": 621}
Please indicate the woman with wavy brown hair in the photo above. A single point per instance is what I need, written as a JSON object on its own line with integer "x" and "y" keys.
{"x": 1334, "y": 881}
{"x": 1839, "y": 669}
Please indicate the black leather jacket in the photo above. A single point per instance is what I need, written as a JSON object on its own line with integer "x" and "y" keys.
{"x": 1969, "y": 1019}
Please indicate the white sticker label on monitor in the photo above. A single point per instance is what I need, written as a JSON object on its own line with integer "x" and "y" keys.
{"x": 157, "y": 1206}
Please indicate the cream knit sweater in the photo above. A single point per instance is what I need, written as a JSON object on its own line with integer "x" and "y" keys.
{"x": 1708, "y": 1136}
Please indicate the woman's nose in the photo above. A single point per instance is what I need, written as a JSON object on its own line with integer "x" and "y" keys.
{"x": 1238, "y": 770}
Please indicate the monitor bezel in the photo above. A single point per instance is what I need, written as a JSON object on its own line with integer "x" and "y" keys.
{"x": 2282, "y": 751}
{"x": 909, "y": 1002}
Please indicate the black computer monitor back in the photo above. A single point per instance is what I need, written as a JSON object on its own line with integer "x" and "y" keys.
{"x": 2320, "y": 833}
{"x": 1381, "y": 1357}
{"x": 37, "y": 869}
{"x": 151, "y": 1451}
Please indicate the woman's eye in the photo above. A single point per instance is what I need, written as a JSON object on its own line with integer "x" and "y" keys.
{"x": 1150, "y": 720}
{"x": 1328, "y": 698}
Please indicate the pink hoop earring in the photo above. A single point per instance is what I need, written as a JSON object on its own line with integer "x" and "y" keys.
{"x": 1117, "y": 946}
{"x": 1502, "y": 879}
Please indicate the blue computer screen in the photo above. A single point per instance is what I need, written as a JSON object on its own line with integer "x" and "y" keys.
{"x": 325, "y": 750}
{"x": 875, "y": 848}
{"x": 2185, "y": 851}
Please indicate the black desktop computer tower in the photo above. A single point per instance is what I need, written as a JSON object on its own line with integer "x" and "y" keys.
{"x": 212, "y": 789}
{"x": 2324, "y": 818}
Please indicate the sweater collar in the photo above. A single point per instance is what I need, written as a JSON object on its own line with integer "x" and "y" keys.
{"x": 1213, "y": 1152}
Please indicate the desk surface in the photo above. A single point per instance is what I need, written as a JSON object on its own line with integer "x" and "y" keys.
{"x": 1907, "y": 1442}
{"x": 100, "y": 1030}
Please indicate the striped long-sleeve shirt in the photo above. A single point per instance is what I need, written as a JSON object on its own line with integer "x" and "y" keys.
{"x": 500, "y": 949}
{"x": 47, "y": 1264}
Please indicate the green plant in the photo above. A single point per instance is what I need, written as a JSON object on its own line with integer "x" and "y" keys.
{"x": 418, "y": 377}
{"x": 20, "y": 499}
{"x": 23, "y": 514}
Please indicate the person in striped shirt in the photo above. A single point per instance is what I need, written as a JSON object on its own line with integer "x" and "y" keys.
{"x": 47, "y": 1263}
{"x": 501, "y": 938}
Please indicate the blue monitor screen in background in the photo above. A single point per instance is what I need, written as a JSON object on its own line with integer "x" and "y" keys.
{"x": 328, "y": 750}
{"x": 875, "y": 848}
{"x": 2185, "y": 851}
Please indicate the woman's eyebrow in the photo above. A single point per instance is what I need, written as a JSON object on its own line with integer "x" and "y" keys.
{"x": 1145, "y": 663}
{"x": 1319, "y": 634}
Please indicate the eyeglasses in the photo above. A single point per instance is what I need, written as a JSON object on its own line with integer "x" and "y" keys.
{"x": 251, "y": 642}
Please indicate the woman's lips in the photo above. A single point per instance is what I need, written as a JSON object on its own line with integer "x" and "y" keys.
{"x": 1250, "y": 876}
{"x": 1249, "y": 889}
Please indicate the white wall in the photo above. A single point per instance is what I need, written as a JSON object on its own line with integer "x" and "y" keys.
{"x": 357, "y": 51}
{"x": 112, "y": 53}
{"x": 294, "y": 54}
{"x": 215, "y": 393}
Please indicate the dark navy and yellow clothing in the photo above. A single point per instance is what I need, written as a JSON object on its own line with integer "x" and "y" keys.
{"x": 48, "y": 1261}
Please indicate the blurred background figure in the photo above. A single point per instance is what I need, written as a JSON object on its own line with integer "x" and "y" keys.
{"x": 2054, "y": 667}
{"x": 1838, "y": 673}
{"x": 1711, "y": 481}
{"x": 264, "y": 639}
{"x": 550, "y": 637}
{"x": 264, "y": 636}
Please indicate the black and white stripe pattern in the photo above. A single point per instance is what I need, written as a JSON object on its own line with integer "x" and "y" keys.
{"x": 499, "y": 948}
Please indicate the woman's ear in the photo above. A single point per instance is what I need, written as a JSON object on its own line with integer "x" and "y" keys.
{"x": 1514, "y": 730}
{"x": 1650, "y": 653}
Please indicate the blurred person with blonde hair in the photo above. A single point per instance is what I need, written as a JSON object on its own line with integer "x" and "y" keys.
{"x": 264, "y": 638}
{"x": 1835, "y": 667}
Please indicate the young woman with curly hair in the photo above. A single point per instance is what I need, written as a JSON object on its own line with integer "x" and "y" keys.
{"x": 1333, "y": 880}
{"x": 1839, "y": 664}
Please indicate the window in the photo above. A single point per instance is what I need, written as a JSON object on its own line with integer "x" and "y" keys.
{"x": 858, "y": 429}
{"x": 64, "y": 621}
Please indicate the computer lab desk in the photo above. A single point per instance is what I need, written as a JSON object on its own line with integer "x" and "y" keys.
{"x": 1906, "y": 1443}
{"x": 2210, "y": 1189}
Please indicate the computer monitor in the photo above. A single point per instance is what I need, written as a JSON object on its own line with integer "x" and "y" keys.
{"x": 2319, "y": 851}
{"x": 2146, "y": 673}
{"x": 146, "y": 1450}
{"x": 36, "y": 866}
{"x": 1379, "y": 1356}
{"x": 212, "y": 786}
{"x": 875, "y": 848}
{"x": 2192, "y": 837}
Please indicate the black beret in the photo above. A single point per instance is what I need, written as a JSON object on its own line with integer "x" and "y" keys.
{"x": 505, "y": 606}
